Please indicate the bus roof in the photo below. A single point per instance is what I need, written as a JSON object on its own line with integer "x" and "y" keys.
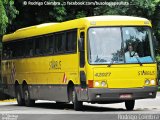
{"x": 47, "y": 28}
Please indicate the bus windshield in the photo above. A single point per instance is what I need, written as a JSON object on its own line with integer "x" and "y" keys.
{"x": 116, "y": 45}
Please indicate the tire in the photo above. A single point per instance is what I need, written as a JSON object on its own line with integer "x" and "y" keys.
{"x": 130, "y": 104}
{"x": 70, "y": 94}
{"x": 19, "y": 98}
{"x": 28, "y": 101}
{"x": 77, "y": 104}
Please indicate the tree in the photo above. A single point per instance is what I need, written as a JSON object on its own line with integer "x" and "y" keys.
{"x": 156, "y": 20}
{"x": 149, "y": 9}
{"x": 3, "y": 18}
{"x": 7, "y": 13}
{"x": 32, "y": 15}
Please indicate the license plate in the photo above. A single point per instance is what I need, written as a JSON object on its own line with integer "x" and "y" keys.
{"x": 126, "y": 96}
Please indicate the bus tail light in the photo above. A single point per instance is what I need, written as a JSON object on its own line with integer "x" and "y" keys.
{"x": 90, "y": 83}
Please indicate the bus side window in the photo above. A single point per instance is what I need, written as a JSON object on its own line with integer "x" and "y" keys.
{"x": 59, "y": 47}
{"x": 40, "y": 45}
{"x": 37, "y": 45}
{"x": 5, "y": 51}
{"x": 11, "y": 50}
{"x": 50, "y": 44}
{"x": 18, "y": 49}
{"x": 57, "y": 36}
{"x": 22, "y": 48}
{"x": 71, "y": 41}
{"x": 30, "y": 47}
{"x": 43, "y": 45}
{"x": 74, "y": 47}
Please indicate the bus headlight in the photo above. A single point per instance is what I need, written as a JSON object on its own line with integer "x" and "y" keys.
{"x": 96, "y": 84}
{"x": 100, "y": 83}
{"x": 103, "y": 83}
{"x": 147, "y": 82}
{"x": 152, "y": 82}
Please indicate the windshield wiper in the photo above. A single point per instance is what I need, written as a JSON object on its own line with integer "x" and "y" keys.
{"x": 111, "y": 63}
{"x": 141, "y": 64}
{"x": 100, "y": 59}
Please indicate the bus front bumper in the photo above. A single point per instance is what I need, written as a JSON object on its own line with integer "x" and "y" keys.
{"x": 105, "y": 94}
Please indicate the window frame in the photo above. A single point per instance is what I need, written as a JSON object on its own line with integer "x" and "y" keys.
{"x": 88, "y": 45}
{"x": 25, "y": 42}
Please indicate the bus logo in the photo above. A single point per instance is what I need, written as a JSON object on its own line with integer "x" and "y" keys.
{"x": 55, "y": 64}
{"x": 144, "y": 72}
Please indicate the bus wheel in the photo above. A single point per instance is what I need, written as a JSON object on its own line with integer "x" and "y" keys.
{"x": 130, "y": 104}
{"x": 77, "y": 104}
{"x": 19, "y": 98}
{"x": 28, "y": 101}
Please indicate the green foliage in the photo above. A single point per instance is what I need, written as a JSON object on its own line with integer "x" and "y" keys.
{"x": 3, "y": 19}
{"x": 32, "y": 15}
{"x": 143, "y": 8}
{"x": 81, "y": 14}
{"x": 7, "y": 14}
{"x": 59, "y": 13}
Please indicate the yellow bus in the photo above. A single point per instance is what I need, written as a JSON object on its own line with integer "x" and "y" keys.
{"x": 99, "y": 59}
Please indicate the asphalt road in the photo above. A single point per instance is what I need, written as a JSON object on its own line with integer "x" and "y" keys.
{"x": 147, "y": 109}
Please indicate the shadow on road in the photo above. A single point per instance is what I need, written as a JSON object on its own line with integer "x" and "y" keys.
{"x": 86, "y": 108}
{"x": 70, "y": 107}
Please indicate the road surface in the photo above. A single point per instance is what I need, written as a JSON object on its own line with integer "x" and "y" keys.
{"x": 146, "y": 109}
